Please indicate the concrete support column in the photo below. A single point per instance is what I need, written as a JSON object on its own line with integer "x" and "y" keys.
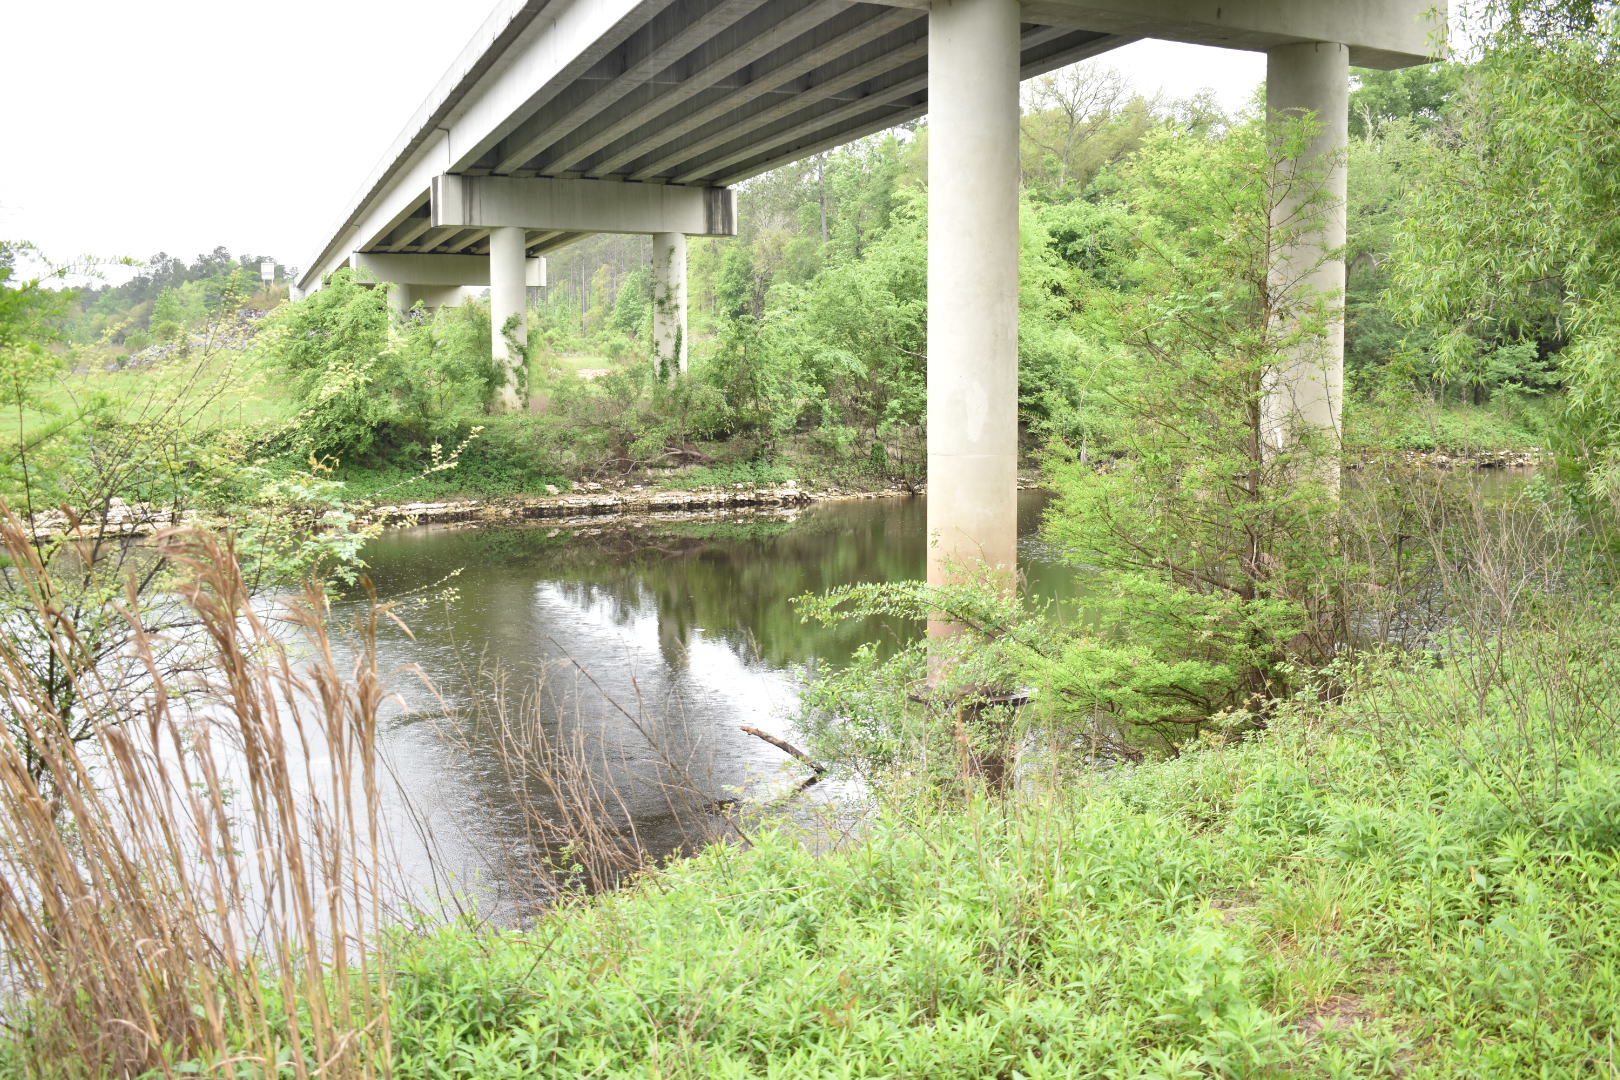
{"x": 1306, "y": 397}
{"x": 434, "y": 297}
{"x": 973, "y": 58}
{"x": 508, "y": 299}
{"x": 669, "y": 304}
{"x": 401, "y": 298}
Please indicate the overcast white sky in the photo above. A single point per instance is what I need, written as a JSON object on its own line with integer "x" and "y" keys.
{"x": 178, "y": 125}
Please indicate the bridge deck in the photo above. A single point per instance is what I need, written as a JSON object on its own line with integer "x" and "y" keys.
{"x": 692, "y": 92}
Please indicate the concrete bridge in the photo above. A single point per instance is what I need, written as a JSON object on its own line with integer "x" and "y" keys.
{"x": 565, "y": 118}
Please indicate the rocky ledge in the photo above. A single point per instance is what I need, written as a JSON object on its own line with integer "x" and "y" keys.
{"x": 592, "y": 500}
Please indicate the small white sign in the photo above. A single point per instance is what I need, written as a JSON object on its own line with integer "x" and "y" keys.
{"x": 267, "y": 270}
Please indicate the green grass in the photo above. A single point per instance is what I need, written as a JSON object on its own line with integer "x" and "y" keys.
{"x": 577, "y": 362}
{"x": 725, "y": 474}
{"x": 1418, "y": 881}
{"x": 224, "y": 390}
{"x": 1506, "y": 426}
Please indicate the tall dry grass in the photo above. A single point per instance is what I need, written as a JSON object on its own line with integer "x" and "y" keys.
{"x": 192, "y": 880}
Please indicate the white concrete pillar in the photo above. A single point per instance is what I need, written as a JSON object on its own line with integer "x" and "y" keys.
{"x": 434, "y": 297}
{"x": 973, "y": 58}
{"x": 400, "y": 297}
{"x": 508, "y": 300}
{"x": 1307, "y": 395}
{"x": 669, "y": 304}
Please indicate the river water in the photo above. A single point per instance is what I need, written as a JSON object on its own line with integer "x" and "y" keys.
{"x": 639, "y": 648}
{"x": 633, "y": 652}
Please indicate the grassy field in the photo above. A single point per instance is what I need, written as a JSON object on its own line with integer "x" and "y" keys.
{"x": 221, "y": 389}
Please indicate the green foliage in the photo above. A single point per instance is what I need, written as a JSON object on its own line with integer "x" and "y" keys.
{"x": 632, "y": 311}
{"x": 365, "y": 386}
{"x": 1210, "y": 544}
{"x": 1400, "y": 418}
{"x": 1418, "y": 94}
{"x": 30, "y": 322}
{"x": 1504, "y": 241}
{"x": 513, "y": 454}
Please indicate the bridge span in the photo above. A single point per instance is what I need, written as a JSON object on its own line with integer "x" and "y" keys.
{"x": 565, "y": 118}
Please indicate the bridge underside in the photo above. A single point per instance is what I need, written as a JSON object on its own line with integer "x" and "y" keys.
{"x": 711, "y": 94}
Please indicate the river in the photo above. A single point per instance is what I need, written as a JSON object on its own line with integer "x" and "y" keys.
{"x": 636, "y": 651}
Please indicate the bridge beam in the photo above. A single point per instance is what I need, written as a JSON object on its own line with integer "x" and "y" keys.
{"x": 445, "y": 270}
{"x": 669, "y": 304}
{"x": 1379, "y": 33}
{"x": 1304, "y": 399}
{"x": 590, "y": 206}
{"x": 973, "y": 73}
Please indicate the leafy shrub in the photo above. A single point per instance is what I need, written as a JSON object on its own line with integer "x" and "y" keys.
{"x": 364, "y": 385}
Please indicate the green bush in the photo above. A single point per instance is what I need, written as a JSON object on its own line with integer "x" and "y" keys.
{"x": 365, "y": 385}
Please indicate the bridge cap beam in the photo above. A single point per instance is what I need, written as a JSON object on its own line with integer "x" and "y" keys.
{"x": 591, "y": 206}
{"x": 1379, "y": 33}
{"x": 429, "y": 269}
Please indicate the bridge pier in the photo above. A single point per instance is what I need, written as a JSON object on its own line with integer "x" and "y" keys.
{"x": 401, "y": 298}
{"x": 509, "y": 314}
{"x": 1304, "y": 400}
{"x": 404, "y": 296}
{"x": 669, "y": 304}
{"x": 973, "y": 76}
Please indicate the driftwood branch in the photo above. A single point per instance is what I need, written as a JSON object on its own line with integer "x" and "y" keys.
{"x": 787, "y": 748}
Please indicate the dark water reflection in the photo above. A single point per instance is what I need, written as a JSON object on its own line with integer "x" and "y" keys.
{"x": 649, "y": 645}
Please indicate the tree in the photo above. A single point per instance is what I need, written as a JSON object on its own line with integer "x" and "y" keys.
{"x": 1508, "y": 237}
{"x": 1419, "y": 94}
{"x": 1078, "y": 120}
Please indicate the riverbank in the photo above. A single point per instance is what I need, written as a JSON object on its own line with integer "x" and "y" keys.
{"x": 1413, "y": 880}
{"x": 1403, "y": 883}
{"x": 595, "y": 502}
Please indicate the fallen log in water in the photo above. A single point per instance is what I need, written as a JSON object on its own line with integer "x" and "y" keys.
{"x": 787, "y": 748}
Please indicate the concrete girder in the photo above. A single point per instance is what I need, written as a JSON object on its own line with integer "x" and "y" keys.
{"x": 438, "y": 270}
{"x": 762, "y": 118}
{"x": 424, "y": 243}
{"x": 748, "y": 118}
{"x": 582, "y": 205}
{"x": 555, "y": 241}
{"x": 539, "y": 240}
{"x": 710, "y": 75}
{"x": 835, "y": 128}
{"x": 464, "y": 241}
{"x": 762, "y": 83}
{"x": 408, "y": 233}
{"x": 577, "y": 35}
{"x": 790, "y": 144}
{"x": 665, "y": 52}
{"x": 1378, "y": 33}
